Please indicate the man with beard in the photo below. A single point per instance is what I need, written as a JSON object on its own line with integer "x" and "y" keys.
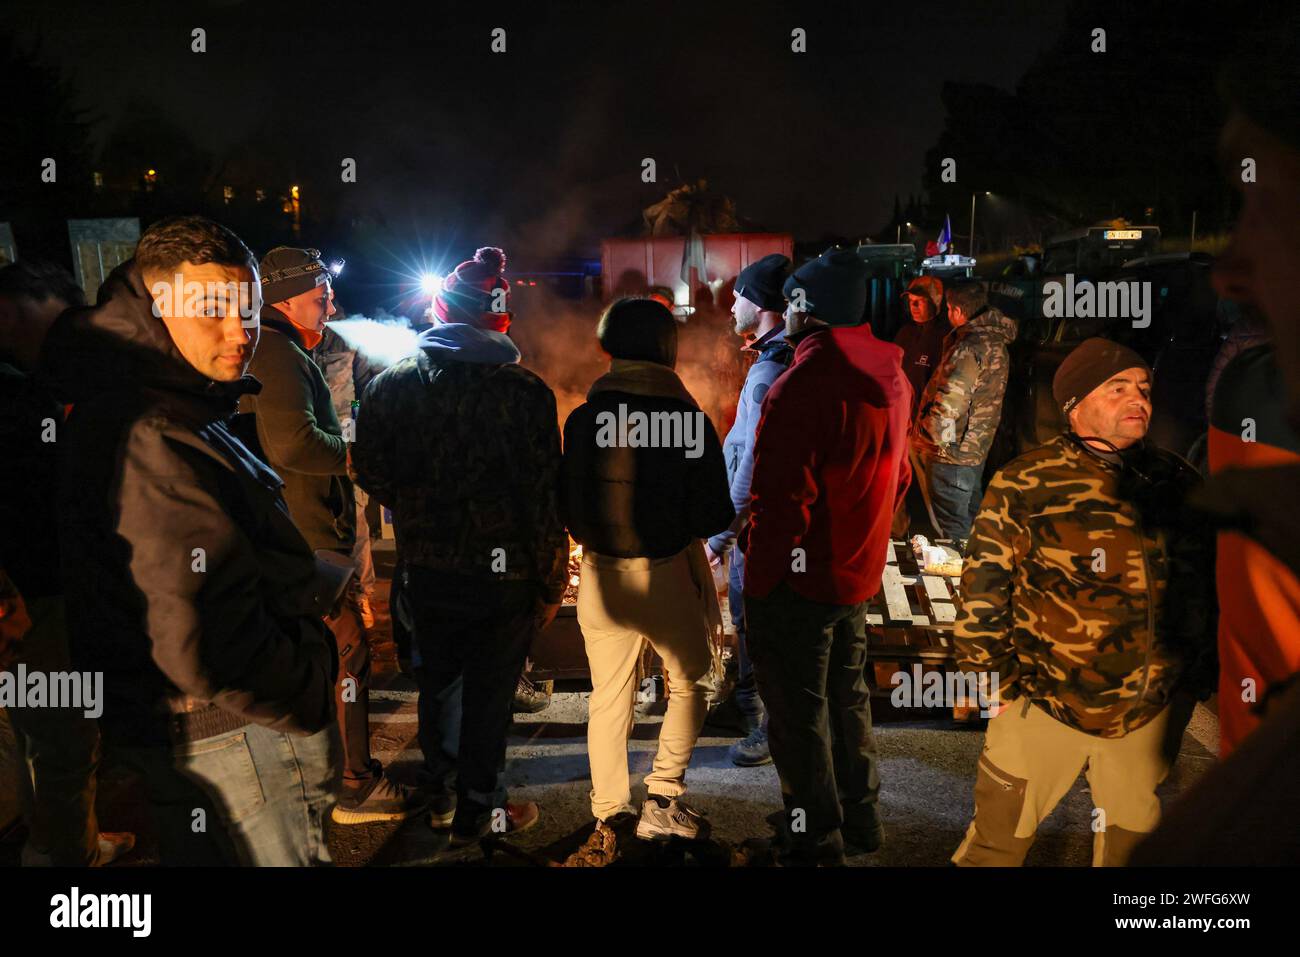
{"x": 758, "y": 313}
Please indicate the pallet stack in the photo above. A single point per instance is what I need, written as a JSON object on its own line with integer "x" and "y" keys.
{"x": 910, "y": 622}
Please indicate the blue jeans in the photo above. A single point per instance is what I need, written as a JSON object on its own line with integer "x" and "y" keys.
{"x": 264, "y": 796}
{"x": 747, "y": 698}
{"x": 955, "y": 495}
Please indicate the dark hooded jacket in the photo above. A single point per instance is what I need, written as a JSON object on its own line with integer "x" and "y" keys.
{"x": 463, "y": 444}
{"x": 186, "y": 582}
{"x": 643, "y": 471}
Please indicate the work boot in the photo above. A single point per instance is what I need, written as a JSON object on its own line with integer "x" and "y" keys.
{"x": 366, "y": 611}
{"x": 675, "y": 819}
{"x": 518, "y": 817}
{"x": 753, "y": 750}
{"x": 529, "y": 699}
{"x": 607, "y": 843}
{"x": 380, "y": 799}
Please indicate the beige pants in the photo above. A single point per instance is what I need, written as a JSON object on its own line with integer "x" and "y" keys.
{"x": 1031, "y": 760}
{"x": 621, "y": 602}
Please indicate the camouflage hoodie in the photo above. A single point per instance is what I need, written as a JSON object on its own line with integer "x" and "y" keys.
{"x": 1089, "y": 588}
{"x": 962, "y": 402}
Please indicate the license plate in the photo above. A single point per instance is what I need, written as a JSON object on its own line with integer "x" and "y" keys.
{"x": 1122, "y": 234}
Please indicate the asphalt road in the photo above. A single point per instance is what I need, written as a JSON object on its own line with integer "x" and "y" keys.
{"x": 927, "y": 774}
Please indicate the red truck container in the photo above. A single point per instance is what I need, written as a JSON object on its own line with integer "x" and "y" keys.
{"x": 631, "y": 266}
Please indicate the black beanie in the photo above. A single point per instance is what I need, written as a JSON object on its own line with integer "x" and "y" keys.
{"x": 639, "y": 329}
{"x": 760, "y": 282}
{"x": 1091, "y": 363}
{"x": 287, "y": 272}
{"x": 834, "y": 287}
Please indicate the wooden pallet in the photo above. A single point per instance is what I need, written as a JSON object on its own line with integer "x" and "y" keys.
{"x": 910, "y": 622}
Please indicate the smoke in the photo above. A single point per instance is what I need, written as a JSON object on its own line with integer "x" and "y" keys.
{"x": 381, "y": 341}
{"x": 558, "y": 340}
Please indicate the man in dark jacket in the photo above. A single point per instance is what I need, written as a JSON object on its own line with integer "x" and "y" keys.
{"x": 922, "y": 338}
{"x": 961, "y": 407}
{"x": 301, "y": 438}
{"x": 187, "y": 584}
{"x": 462, "y": 443}
{"x": 758, "y": 313}
{"x": 643, "y": 483}
{"x": 59, "y": 744}
{"x": 830, "y": 467}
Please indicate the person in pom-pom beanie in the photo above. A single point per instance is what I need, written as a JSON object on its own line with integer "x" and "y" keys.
{"x": 463, "y": 444}
{"x": 476, "y": 292}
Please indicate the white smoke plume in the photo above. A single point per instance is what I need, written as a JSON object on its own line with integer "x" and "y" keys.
{"x": 382, "y": 340}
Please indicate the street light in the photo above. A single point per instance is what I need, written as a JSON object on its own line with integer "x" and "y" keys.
{"x": 972, "y": 221}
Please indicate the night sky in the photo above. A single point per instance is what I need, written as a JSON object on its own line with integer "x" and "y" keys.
{"x": 543, "y": 144}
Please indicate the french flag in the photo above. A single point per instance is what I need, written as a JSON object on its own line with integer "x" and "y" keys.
{"x": 945, "y": 236}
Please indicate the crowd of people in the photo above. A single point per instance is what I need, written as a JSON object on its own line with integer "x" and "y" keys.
{"x": 181, "y": 515}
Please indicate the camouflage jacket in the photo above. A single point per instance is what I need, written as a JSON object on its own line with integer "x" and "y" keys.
{"x": 347, "y": 372}
{"x": 1089, "y": 588}
{"x": 467, "y": 455}
{"x": 962, "y": 402}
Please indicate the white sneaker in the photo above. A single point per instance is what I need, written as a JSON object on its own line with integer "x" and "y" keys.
{"x": 678, "y": 819}
{"x": 114, "y": 844}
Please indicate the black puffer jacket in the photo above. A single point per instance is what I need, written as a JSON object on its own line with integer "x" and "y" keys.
{"x": 640, "y": 502}
{"x": 150, "y": 475}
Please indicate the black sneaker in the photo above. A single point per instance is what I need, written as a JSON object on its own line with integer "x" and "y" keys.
{"x": 753, "y": 750}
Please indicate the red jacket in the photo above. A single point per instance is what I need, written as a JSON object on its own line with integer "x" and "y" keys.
{"x": 830, "y": 468}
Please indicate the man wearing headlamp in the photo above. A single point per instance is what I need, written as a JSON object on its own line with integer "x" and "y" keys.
{"x": 301, "y": 438}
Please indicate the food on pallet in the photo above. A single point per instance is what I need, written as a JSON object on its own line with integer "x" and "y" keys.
{"x": 936, "y": 559}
